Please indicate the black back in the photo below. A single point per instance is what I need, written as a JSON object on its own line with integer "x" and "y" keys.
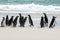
{"x": 15, "y": 21}
{"x": 52, "y": 21}
{"x": 46, "y": 18}
{"x": 11, "y": 20}
{"x": 2, "y": 22}
{"x": 7, "y": 19}
{"x": 42, "y": 22}
{"x": 30, "y": 21}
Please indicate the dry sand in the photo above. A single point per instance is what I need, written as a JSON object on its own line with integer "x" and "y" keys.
{"x": 18, "y": 33}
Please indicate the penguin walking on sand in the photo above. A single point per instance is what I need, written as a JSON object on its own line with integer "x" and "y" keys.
{"x": 42, "y": 22}
{"x": 30, "y": 21}
{"x": 15, "y": 21}
{"x": 3, "y": 24}
{"x": 52, "y": 24}
{"x": 10, "y": 23}
{"x": 46, "y": 19}
{"x": 23, "y": 21}
{"x": 7, "y": 20}
{"x": 20, "y": 18}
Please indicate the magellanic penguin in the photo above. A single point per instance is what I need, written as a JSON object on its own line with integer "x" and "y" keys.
{"x": 23, "y": 22}
{"x": 46, "y": 19}
{"x": 42, "y": 22}
{"x": 7, "y": 20}
{"x": 52, "y": 24}
{"x": 15, "y": 21}
{"x": 30, "y": 21}
{"x": 20, "y": 18}
{"x": 3, "y": 24}
{"x": 11, "y": 21}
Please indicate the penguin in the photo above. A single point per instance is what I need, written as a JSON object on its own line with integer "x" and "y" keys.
{"x": 20, "y": 18}
{"x": 46, "y": 19}
{"x": 42, "y": 22}
{"x": 30, "y": 21}
{"x": 23, "y": 22}
{"x": 52, "y": 23}
{"x": 7, "y": 20}
{"x": 3, "y": 24}
{"x": 11, "y": 21}
{"x": 15, "y": 21}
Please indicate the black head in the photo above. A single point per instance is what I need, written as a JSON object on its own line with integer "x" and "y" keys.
{"x": 12, "y": 16}
{"x": 17, "y": 16}
{"x": 28, "y": 15}
{"x": 25, "y": 17}
{"x": 19, "y": 13}
{"x": 7, "y": 15}
{"x": 54, "y": 17}
{"x": 41, "y": 16}
{"x": 44, "y": 13}
{"x": 3, "y": 18}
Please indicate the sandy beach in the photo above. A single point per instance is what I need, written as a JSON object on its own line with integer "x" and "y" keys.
{"x": 30, "y": 33}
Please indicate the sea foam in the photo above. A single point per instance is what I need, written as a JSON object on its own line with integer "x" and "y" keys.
{"x": 29, "y": 8}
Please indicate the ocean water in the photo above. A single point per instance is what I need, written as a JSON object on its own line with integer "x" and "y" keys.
{"x": 29, "y": 5}
{"x": 41, "y": 2}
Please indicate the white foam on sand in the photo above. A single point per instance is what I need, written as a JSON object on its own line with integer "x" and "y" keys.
{"x": 32, "y": 33}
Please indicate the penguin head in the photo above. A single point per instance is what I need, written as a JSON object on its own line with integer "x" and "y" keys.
{"x": 44, "y": 13}
{"x": 29, "y": 15}
{"x": 26, "y": 17}
{"x": 54, "y": 17}
{"x": 17, "y": 16}
{"x": 6, "y": 15}
{"x": 41, "y": 16}
{"x": 3, "y": 18}
{"x": 12, "y": 16}
{"x": 19, "y": 13}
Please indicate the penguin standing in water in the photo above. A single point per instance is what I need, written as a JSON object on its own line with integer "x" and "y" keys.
{"x": 52, "y": 24}
{"x": 7, "y": 20}
{"x": 15, "y": 21}
{"x": 42, "y": 22}
{"x": 30, "y": 21}
{"x": 3, "y": 24}
{"x": 10, "y": 23}
{"x": 46, "y": 19}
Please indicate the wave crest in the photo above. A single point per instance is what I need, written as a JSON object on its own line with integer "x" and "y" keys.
{"x": 29, "y": 8}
